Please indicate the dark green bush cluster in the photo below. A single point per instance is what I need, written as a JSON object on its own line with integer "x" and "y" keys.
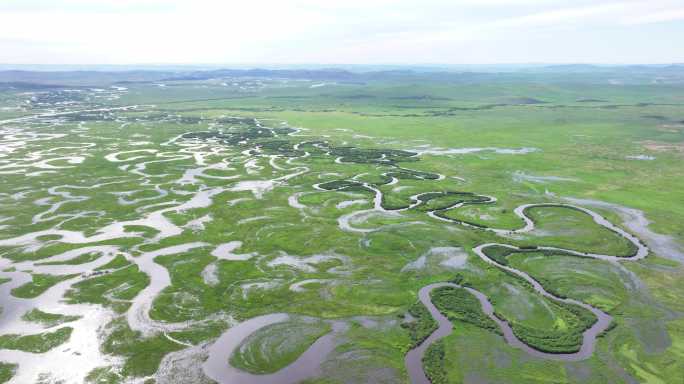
{"x": 392, "y": 206}
{"x": 247, "y": 121}
{"x": 282, "y": 147}
{"x": 498, "y": 253}
{"x": 363, "y": 155}
{"x": 378, "y": 179}
{"x": 340, "y": 185}
{"x": 421, "y": 327}
{"x": 440, "y": 201}
{"x": 549, "y": 341}
{"x": 232, "y": 138}
{"x": 314, "y": 147}
{"x": 555, "y": 341}
{"x": 411, "y": 174}
{"x": 433, "y": 363}
{"x": 284, "y": 131}
{"x": 459, "y": 304}
{"x": 585, "y": 319}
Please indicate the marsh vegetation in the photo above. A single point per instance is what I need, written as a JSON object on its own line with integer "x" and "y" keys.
{"x": 141, "y": 225}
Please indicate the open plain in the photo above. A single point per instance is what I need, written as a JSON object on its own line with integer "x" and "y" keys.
{"x": 275, "y": 227}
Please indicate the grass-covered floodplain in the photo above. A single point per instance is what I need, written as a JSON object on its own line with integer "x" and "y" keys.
{"x": 149, "y": 218}
{"x": 276, "y": 346}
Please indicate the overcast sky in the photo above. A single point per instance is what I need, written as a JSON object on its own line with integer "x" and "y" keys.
{"x": 341, "y": 31}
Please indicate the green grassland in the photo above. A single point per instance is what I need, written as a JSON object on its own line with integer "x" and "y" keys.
{"x": 561, "y": 227}
{"x": 38, "y": 343}
{"x": 581, "y": 151}
{"x": 141, "y": 355}
{"x": 46, "y": 319}
{"x": 6, "y": 372}
{"x": 39, "y": 284}
{"x": 112, "y": 289}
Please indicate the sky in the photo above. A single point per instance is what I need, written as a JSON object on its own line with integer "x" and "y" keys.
{"x": 341, "y": 31}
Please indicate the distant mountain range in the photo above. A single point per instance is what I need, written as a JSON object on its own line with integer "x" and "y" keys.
{"x": 582, "y": 73}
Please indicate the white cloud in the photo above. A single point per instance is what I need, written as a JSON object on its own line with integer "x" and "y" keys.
{"x": 656, "y": 17}
{"x": 201, "y": 31}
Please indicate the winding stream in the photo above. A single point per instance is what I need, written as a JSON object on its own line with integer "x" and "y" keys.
{"x": 414, "y": 357}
